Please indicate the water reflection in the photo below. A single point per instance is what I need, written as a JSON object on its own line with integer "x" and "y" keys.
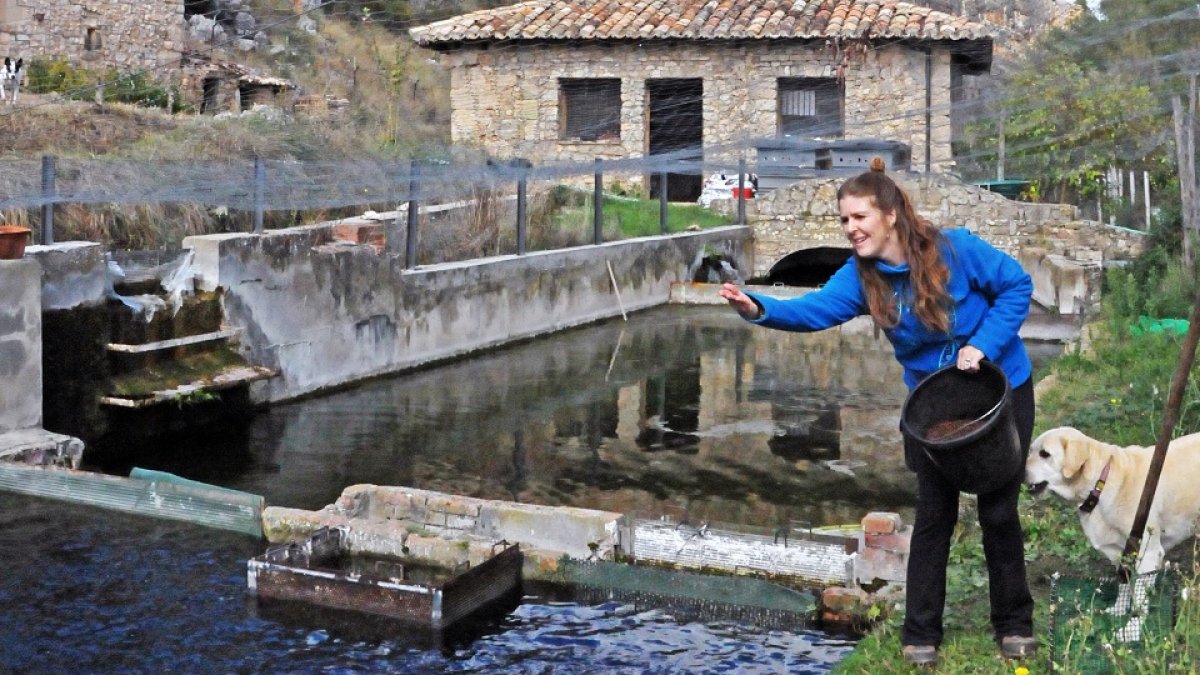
{"x": 681, "y": 411}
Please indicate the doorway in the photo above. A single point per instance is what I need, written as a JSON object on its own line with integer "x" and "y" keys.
{"x": 675, "y": 127}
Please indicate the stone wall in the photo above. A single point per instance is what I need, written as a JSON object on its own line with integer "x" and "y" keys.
{"x": 804, "y": 215}
{"x": 507, "y": 100}
{"x": 101, "y": 34}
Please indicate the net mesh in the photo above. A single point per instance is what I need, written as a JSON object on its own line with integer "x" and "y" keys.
{"x": 698, "y": 596}
{"x": 1088, "y": 635}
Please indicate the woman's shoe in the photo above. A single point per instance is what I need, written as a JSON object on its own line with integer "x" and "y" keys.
{"x": 920, "y": 655}
{"x": 1017, "y": 646}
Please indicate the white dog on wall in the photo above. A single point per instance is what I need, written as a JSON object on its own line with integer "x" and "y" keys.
{"x": 10, "y": 75}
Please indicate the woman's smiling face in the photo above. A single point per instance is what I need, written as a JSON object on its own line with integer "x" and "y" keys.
{"x": 871, "y": 232}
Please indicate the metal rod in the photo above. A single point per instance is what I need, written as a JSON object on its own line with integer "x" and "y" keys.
{"x": 1146, "y": 194}
{"x": 260, "y": 188}
{"x": 410, "y": 243}
{"x": 48, "y": 193}
{"x": 522, "y": 195}
{"x": 662, "y": 202}
{"x": 741, "y": 203}
{"x": 598, "y": 206}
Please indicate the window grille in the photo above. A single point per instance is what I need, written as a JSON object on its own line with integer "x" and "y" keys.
{"x": 590, "y": 109}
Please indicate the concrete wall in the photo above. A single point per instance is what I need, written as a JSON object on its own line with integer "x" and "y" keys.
{"x": 20, "y": 345}
{"x": 74, "y": 274}
{"x": 327, "y": 314}
{"x": 507, "y": 99}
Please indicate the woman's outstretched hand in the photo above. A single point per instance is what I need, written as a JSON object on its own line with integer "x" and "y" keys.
{"x": 739, "y": 301}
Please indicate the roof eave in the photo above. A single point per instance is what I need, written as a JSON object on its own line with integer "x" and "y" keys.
{"x": 978, "y": 50}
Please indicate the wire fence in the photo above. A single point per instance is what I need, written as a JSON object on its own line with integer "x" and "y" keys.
{"x": 454, "y": 204}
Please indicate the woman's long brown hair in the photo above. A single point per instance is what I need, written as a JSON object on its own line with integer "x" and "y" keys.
{"x": 919, "y": 238}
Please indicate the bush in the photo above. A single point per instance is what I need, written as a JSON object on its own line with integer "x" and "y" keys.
{"x": 57, "y": 75}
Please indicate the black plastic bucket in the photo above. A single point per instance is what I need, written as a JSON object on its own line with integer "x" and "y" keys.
{"x": 978, "y": 457}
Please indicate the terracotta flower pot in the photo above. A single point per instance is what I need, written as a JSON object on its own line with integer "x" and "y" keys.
{"x": 12, "y": 241}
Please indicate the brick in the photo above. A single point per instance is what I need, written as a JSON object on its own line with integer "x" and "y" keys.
{"x": 877, "y": 563}
{"x": 841, "y": 599}
{"x": 359, "y": 233}
{"x": 898, "y": 542}
{"x": 881, "y": 522}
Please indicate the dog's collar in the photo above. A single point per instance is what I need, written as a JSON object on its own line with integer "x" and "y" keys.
{"x": 1093, "y": 497}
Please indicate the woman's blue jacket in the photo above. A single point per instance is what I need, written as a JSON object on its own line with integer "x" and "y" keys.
{"x": 991, "y": 295}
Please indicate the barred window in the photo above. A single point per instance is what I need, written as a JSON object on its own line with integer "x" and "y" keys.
{"x": 589, "y": 109}
{"x": 810, "y": 106}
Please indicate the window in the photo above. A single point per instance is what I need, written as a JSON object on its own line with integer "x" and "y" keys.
{"x": 810, "y": 106}
{"x": 91, "y": 41}
{"x": 589, "y": 109}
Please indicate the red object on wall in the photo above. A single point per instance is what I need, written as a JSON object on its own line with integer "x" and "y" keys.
{"x": 12, "y": 241}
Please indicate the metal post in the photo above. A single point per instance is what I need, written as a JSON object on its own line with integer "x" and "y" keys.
{"x": 741, "y": 208}
{"x": 598, "y": 206}
{"x": 260, "y": 188}
{"x": 410, "y": 244}
{"x": 48, "y": 193}
{"x": 662, "y": 202}
{"x": 522, "y": 193}
{"x": 1146, "y": 193}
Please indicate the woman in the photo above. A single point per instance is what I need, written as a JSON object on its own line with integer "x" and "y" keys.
{"x": 941, "y": 298}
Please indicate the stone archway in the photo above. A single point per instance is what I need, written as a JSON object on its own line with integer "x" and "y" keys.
{"x": 807, "y": 267}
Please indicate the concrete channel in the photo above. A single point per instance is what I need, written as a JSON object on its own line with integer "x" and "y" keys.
{"x": 305, "y": 324}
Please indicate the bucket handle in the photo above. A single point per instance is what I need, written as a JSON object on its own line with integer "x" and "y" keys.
{"x": 990, "y": 412}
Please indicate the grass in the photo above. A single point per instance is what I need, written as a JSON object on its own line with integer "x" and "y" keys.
{"x": 627, "y": 217}
{"x": 1115, "y": 391}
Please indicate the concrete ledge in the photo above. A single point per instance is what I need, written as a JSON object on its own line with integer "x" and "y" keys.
{"x": 38, "y": 447}
{"x": 450, "y": 529}
{"x": 803, "y": 561}
{"x": 74, "y": 274}
{"x": 1062, "y": 284}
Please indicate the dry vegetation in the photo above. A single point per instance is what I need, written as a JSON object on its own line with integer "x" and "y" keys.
{"x": 396, "y": 106}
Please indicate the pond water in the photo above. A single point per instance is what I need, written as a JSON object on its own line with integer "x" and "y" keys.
{"x": 682, "y": 412}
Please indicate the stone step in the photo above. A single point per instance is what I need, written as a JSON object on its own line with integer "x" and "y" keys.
{"x": 172, "y": 343}
{"x": 224, "y": 380}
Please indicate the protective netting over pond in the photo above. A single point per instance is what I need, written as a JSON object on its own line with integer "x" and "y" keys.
{"x": 703, "y": 597}
{"x": 1088, "y": 635}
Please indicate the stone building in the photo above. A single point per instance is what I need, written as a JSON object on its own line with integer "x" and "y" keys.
{"x": 171, "y": 42}
{"x": 574, "y": 80}
{"x": 121, "y": 34}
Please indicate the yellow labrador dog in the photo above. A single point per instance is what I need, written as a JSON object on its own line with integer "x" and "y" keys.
{"x": 1106, "y": 481}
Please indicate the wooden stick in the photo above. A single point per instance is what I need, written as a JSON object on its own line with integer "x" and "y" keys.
{"x": 616, "y": 289}
{"x": 1170, "y": 418}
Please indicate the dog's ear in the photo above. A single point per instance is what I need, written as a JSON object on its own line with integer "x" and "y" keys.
{"x": 1075, "y": 453}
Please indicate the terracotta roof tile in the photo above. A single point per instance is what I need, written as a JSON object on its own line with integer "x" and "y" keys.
{"x": 701, "y": 19}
